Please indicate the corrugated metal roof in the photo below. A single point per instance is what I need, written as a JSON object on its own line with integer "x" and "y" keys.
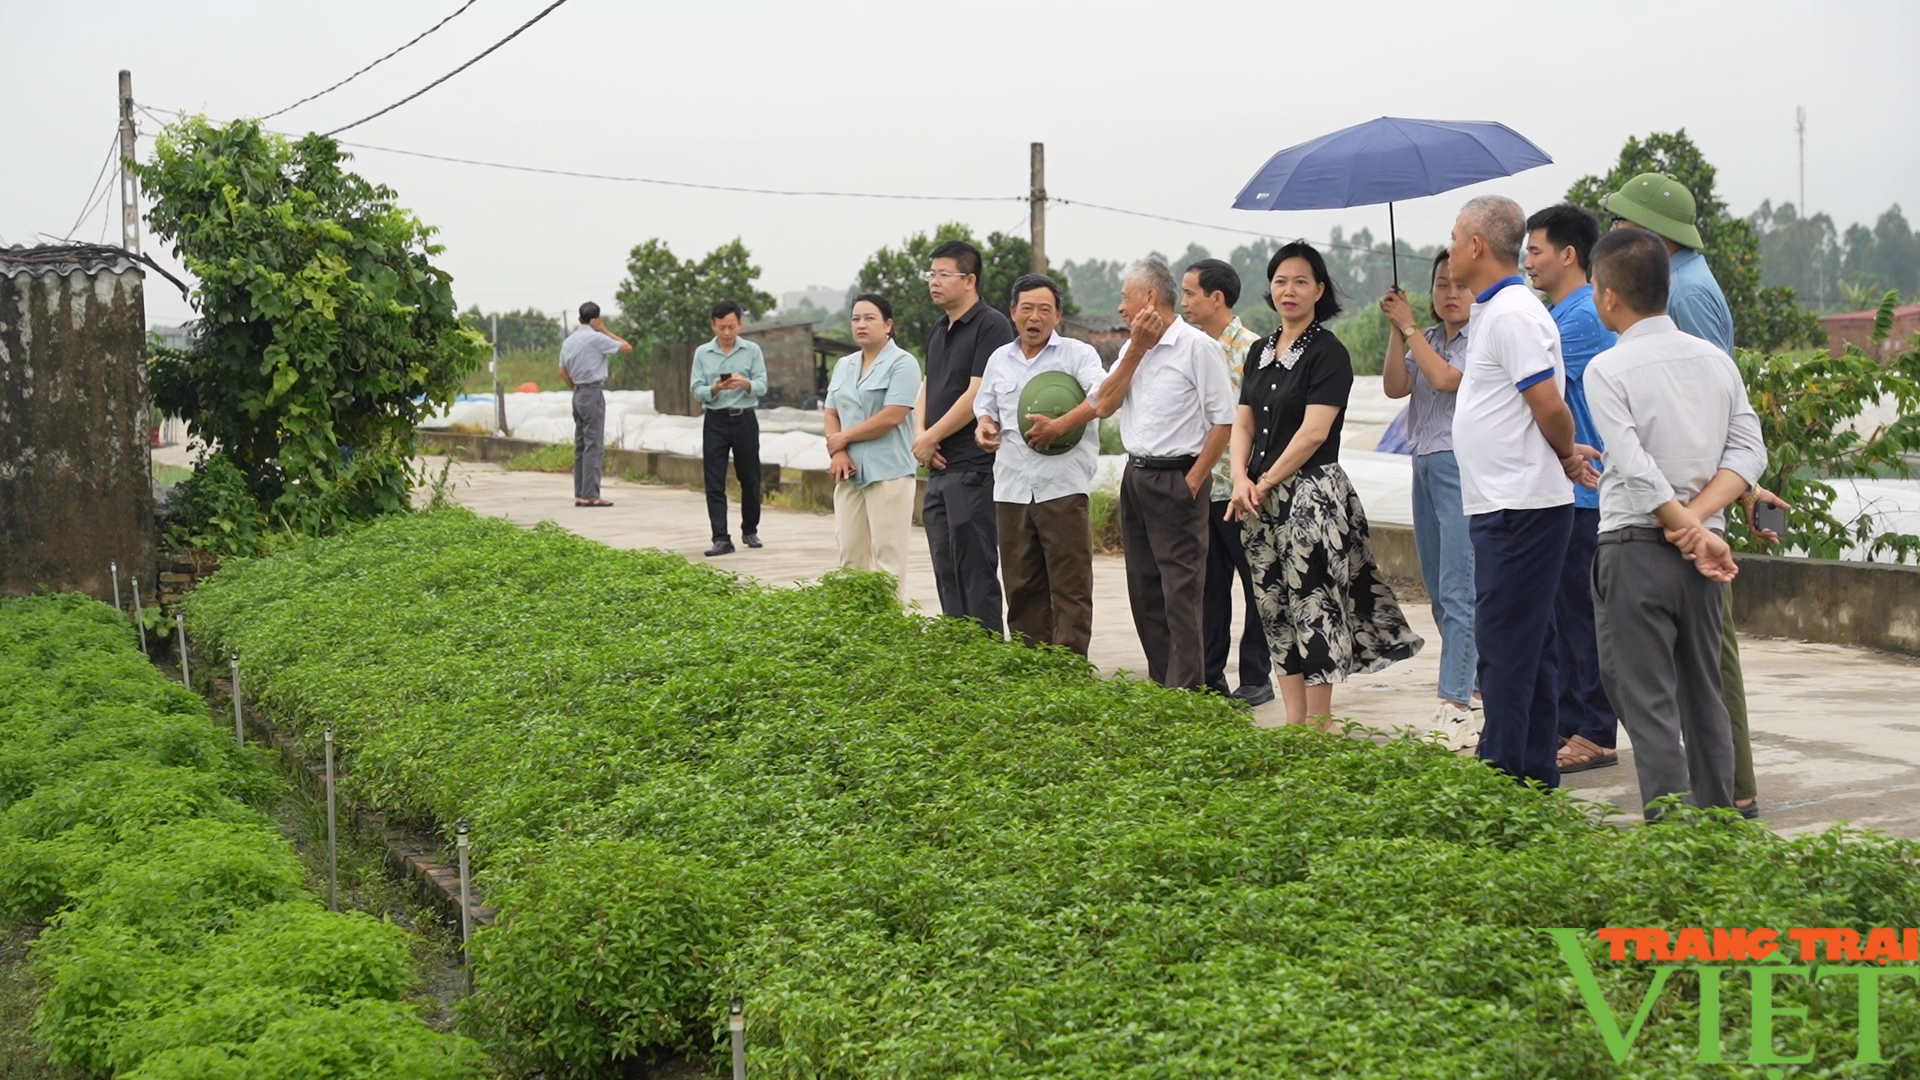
{"x": 65, "y": 259}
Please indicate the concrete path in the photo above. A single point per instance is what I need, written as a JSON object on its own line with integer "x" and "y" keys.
{"x": 1836, "y": 731}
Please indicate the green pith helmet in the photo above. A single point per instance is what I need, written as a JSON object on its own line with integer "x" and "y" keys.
{"x": 1052, "y": 393}
{"x": 1659, "y": 203}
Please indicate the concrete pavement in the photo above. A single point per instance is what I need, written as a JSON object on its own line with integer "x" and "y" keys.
{"x": 1836, "y": 731}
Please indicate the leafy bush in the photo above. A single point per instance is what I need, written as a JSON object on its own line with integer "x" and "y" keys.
{"x": 180, "y": 939}
{"x": 557, "y": 458}
{"x": 920, "y": 852}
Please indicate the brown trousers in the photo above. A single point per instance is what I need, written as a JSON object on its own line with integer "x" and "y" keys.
{"x": 1046, "y": 564}
{"x": 1164, "y": 526}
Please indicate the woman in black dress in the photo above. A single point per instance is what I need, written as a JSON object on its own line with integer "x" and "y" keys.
{"x": 1326, "y": 610}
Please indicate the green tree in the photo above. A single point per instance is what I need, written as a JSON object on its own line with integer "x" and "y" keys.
{"x": 1763, "y": 318}
{"x": 326, "y": 331}
{"x": 665, "y": 298}
{"x": 898, "y": 273}
{"x": 1884, "y": 257}
{"x": 1095, "y": 283}
{"x": 520, "y": 331}
{"x": 1801, "y": 253}
{"x": 1809, "y": 405}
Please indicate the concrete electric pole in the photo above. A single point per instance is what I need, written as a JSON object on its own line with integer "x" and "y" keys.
{"x": 129, "y": 183}
{"x": 1800, "y": 123}
{"x": 1037, "y": 208}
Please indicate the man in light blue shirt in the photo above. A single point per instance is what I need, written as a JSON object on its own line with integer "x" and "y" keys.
{"x": 583, "y": 366}
{"x": 1559, "y": 239}
{"x": 729, "y": 379}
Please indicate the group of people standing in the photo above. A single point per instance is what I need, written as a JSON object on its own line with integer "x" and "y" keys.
{"x": 1573, "y": 462}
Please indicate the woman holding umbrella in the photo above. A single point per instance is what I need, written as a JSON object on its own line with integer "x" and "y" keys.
{"x": 1326, "y": 610}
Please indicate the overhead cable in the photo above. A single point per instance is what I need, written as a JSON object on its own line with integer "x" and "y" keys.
{"x": 371, "y": 66}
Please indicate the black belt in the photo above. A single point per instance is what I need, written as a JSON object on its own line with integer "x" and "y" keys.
{"x": 728, "y": 412}
{"x": 1634, "y": 533}
{"x": 1183, "y": 462}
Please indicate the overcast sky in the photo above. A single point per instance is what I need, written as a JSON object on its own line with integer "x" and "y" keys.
{"x": 1163, "y": 108}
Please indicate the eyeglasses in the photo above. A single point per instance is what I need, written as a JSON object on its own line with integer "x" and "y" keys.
{"x": 936, "y": 275}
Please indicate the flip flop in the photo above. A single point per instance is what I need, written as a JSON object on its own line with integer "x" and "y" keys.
{"x": 1592, "y": 756}
{"x": 591, "y": 502}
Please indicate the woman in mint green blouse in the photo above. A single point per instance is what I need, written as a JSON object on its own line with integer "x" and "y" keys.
{"x": 869, "y": 400}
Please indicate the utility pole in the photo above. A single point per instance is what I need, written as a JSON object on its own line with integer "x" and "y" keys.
{"x": 1037, "y": 208}
{"x": 129, "y": 183}
{"x": 499, "y": 403}
{"x": 1800, "y": 122}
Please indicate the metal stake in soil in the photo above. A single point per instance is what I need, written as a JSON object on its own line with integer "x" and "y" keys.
{"x": 737, "y": 1030}
{"x": 333, "y": 850}
{"x": 239, "y": 732}
{"x": 180, "y": 623}
{"x": 113, "y": 567}
{"x": 466, "y": 903}
{"x": 139, "y": 617}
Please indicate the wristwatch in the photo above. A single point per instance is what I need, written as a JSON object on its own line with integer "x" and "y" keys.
{"x": 1409, "y": 332}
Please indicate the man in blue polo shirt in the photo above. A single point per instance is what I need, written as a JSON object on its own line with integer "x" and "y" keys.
{"x": 1559, "y": 239}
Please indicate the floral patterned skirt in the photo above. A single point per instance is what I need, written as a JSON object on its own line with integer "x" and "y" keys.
{"x": 1326, "y": 610}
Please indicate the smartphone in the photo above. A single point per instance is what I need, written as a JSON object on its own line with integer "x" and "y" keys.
{"x": 1768, "y": 517}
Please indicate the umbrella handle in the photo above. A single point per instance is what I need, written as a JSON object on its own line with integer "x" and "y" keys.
{"x": 1393, "y": 247}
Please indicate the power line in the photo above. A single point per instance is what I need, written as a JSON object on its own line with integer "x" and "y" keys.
{"x": 371, "y": 66}
{"x": 97, "y": 191}
{"x": 523, "y": 26}
{"x": 1221, "y": 228}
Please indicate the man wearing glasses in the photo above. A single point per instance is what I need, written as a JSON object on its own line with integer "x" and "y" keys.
{"x": 959, "y": 513}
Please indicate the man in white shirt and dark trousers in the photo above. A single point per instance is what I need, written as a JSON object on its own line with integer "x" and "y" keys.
{"x": 583, "y": 366}
{"x": 1176, "y": 407}
{"x": 1513, "y": 438}
{"x": 1046, "y": 535}
{"x": 1682, "y": 442}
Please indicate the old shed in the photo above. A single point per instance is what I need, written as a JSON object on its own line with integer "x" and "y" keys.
{"x": 76, "y": 488}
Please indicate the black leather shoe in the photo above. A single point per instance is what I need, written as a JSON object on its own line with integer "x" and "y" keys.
{"x": 752, "y": 539}
{"x": 1256, "y": 694}
{"x": 1749, "y": 811}
{"x": 720, "y": 547}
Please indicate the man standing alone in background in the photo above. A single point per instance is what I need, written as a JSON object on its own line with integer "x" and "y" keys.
{"x": 729, "y": 379}
{"x": 1559, "y": 242}
{"x": 583, "y": 367}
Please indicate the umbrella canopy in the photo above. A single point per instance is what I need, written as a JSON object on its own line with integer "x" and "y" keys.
{"x": 1388, "y": 160}
{"x": 1385, "y": 161}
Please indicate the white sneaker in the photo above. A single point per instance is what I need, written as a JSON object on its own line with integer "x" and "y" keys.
{"x": 1460, "y": 726}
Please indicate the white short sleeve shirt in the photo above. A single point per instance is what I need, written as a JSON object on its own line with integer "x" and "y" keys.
{"x": 1022, "y": 474}
{"x": 1179, "y": 393}
{"x": 1505, "y": 461}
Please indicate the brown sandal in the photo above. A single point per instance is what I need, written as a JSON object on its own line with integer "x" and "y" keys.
{"x": 1578, "y": 754}
{"x": 591, "y": 502}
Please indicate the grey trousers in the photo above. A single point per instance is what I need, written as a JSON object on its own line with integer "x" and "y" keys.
{"x": 1658, "y": 624}
{"x": 1164, "y": 527}
{"x": 589, "y": 438}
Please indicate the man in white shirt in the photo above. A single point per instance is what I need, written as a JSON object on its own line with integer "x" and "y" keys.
{"x": 1682, "y": 442}
{"x": 1513, "y": 438}
{"x": 1176, "y": 407}
{"x": 1046, "y": 536}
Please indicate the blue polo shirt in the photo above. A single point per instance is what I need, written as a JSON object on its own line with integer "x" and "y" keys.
{"x": 1582, "y": 337}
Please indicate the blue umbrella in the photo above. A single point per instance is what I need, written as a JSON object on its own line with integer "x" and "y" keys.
{"x": 1385, "y": 161}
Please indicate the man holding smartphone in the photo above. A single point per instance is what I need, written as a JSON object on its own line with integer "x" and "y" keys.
{"x": 729, "y": 379}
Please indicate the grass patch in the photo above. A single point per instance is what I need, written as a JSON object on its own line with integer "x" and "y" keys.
{"x": 921, "y": 852}
{"x": 1103, "y": 513}
{"x": 557, "y": 458}
{"x": 168, "y": 475}
{"x": 538, "y": 366}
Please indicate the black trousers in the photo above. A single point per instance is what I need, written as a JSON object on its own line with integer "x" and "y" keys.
{"x": 1226, "y": 559}
{"x": 963, "y": 536}
{"x": 1584, "y": 707}
{"x": 740, "y": 435}
{"x": 1164, "y": 527}
{"x": 1517, "y": 559}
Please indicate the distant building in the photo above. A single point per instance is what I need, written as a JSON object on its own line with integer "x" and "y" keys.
{"x": 176, "y": 337}
{"x": 1106, "y": 333}
{"x": 1856, "y": 328}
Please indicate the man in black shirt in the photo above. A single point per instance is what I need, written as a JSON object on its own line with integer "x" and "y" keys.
{"x": 962, "y": 533}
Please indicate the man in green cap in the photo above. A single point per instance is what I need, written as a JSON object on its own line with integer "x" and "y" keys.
{"x": 1663, "y": 206}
